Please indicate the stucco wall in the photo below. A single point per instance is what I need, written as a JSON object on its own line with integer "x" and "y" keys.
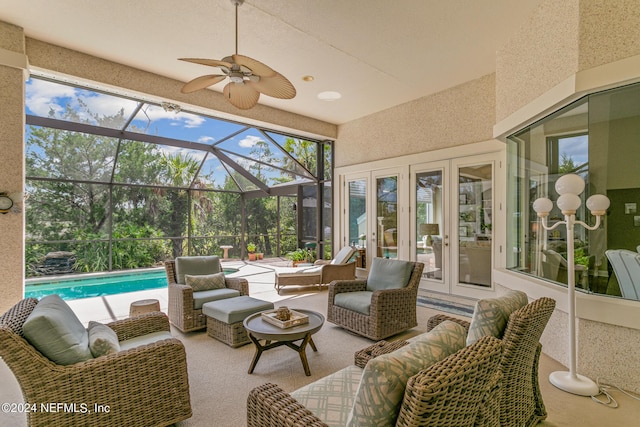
{"x": 461, "y": 115}
{"x": 560, "y": 39}
{"x": 12, "y": 170}
{"x": 540, "y": 55}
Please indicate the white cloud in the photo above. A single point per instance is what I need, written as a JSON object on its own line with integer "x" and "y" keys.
{"x": 206, "y": 139}
{"x": 249, "y": 141}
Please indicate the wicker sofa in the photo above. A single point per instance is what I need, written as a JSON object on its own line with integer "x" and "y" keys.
{"x": 185, "y": 311}
{"x": 143, "y": 385}
{"x": 510, "y": 397}
{"x": 450, "y": 391}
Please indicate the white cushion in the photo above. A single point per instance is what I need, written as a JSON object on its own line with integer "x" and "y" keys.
{"x": 343, "y": 255}
{"x": 102, "y": 339}
{"x": 56, "y": 332}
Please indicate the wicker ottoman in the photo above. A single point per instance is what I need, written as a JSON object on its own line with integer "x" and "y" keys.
{"x": 225, "y": 317}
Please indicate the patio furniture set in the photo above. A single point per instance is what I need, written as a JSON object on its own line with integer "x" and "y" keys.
{"x": 482, "y": 372}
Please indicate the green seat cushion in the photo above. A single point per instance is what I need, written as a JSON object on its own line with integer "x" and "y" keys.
{"x": 145, "y": 339}
{"x": 330, "y": 398}
{"x": 196, "y": 266}
{"x": 202, "y": 297}
{"x": 205, "y": 282}
{"x": 491, "y": 315}
{"x": 384, "y": 379}
{"x": 359, "y": 301}
{"x": 388, "y": 274}
{"x": 56, "y": 332}
{"x": 102, "y": 339}
{"x": 234, "y": 310}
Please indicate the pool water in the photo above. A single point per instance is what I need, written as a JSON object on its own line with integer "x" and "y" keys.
{"x": 88, "y": 286}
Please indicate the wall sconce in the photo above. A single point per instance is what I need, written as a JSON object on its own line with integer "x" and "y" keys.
{"x": 569, "y": 187}
{"x": 6, "y": 203}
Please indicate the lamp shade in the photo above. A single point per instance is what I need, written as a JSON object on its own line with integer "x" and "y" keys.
{"x": 598, "y": 204}
{"x": 429, "y": 229}
{"x": 569, "y": 203}
{"x": 570, "y": 184}
{"x": 542, "y": 206}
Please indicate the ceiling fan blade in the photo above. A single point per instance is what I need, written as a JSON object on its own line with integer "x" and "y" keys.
{"x": 256, "y": 67}
{"x": 202, "y": 82}
{"x": 209, "y": 62}
{"x": 241, "y": 95}
{"x": 276, "y": 86}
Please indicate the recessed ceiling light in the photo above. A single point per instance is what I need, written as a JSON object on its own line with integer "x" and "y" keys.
{"x": 329, "y": 96}
{"x": 308, "y": 78}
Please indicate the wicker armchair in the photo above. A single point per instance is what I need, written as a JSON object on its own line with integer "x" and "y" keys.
{"x": 522, "y": 403}
{"x": 146, "y": 385}
{"x": 182, "y": 312}
{"x": 391, "y": 311}
{"x": 450, "y": 392}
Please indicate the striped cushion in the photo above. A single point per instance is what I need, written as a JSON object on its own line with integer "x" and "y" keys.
{"x": 385, "y": 377}
{"x": 331, "y": 398}
{"x": 491, "y": 315}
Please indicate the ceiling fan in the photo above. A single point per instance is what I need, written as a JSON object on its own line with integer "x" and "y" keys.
{"x": 248, "y": 77}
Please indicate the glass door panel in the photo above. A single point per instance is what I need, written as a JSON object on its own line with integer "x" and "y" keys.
{"x": 387, "y": 217}
{"x": 475, "y": 220}
{"x": 429, "y": 203}
{"x": 357, "y": 218}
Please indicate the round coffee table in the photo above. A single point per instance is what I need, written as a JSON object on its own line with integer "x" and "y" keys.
{"x": 258, "y": 330}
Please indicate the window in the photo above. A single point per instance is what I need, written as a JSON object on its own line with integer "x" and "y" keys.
{"x": 595, "y": 137}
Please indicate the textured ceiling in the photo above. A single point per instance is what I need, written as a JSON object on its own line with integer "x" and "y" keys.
{"x": 376, "y": 53}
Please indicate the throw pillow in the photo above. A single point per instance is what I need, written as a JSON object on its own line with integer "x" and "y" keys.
{"x": 491, "y": 315}
{"x": 389, "y": 274}
{"x": 102, "y": 339}
{"x": 196, "y": 265}
{"x": 385, "y": 377}
{"x": 205, "y": 282}
{"x": 56, "y": 332}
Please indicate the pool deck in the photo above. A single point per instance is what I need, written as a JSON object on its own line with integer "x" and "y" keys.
{"x": 260, "y": 274}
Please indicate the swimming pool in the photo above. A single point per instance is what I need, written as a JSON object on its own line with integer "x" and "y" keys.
{"x": 99, "y": 284}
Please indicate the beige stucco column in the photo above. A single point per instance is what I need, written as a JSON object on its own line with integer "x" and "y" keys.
{"x": 12, "y": 125}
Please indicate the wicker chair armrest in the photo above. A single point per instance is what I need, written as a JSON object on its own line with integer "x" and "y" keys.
{"x": 270, "y": 406}
{"x": 340, "y": 286}
{"x": 140, "y": 325}
{"x": 181, "y": 291}
{"x": 363, "y": 356}
{"x": 380, "y": 297}
{"x": 239, "y": 284}
{"x": 439, "y": 318}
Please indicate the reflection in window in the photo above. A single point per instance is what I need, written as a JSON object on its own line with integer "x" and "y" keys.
{"x": 475, "y": 219}
{"x": 429, "y": 222}
{"x": 596, "y": 138}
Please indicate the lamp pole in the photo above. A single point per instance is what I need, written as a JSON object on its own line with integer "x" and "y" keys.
{"x": 569, "y": 187}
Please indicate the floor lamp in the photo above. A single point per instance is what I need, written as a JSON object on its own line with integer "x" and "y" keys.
{"x": 569, "y": 187}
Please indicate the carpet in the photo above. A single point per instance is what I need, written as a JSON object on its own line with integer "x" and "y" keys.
{"x": 450, "y": 307}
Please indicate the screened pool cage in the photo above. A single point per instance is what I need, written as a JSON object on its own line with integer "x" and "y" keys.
{"x": 116, "y": 183}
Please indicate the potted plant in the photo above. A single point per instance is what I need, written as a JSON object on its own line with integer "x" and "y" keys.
{"x": 251, "y": 248}
{"x": 298, "y": 256}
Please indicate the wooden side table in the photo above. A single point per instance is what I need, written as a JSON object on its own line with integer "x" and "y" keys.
{"x": 144, "y": 306}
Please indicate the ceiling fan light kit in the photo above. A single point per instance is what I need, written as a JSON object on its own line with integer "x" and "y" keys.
{"x": 248, "y": 77}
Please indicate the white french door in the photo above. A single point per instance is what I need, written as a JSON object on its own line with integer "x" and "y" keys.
{"x": 439, "y": 213}
{"x": 452, "y": 224}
